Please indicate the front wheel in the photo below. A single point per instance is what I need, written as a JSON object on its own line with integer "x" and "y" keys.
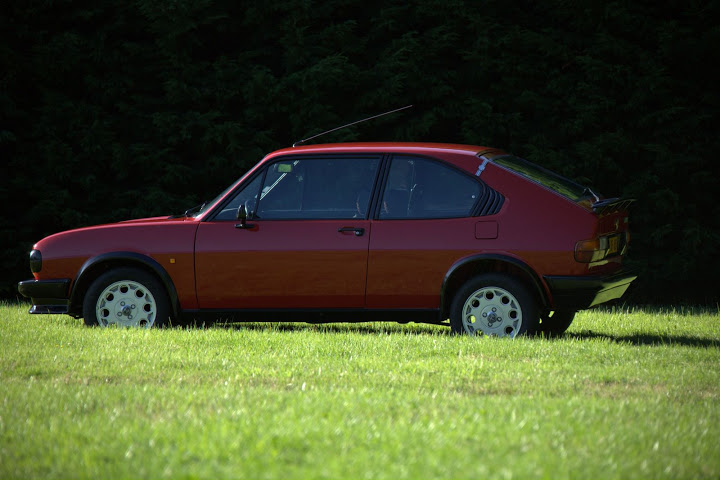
{"x": 126, "y": 297}
{"x": 494, "y": 304}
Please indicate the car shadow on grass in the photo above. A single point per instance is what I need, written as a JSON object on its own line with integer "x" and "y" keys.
{"x": 369, "y": 328}
{"x": 645, "y": 339}
{"x": 390, "y": 328}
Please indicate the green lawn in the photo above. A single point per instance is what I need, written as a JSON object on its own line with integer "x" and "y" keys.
{"x": 624, "y": 394}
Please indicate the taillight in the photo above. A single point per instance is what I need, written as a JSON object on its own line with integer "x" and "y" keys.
{"x": 597, "y": 249}
{"x": 593, "y": 250}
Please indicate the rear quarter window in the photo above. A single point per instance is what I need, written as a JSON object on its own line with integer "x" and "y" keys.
{"x": 547, "y": 178}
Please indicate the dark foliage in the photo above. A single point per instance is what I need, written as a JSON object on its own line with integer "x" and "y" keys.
{"x": 120, "y": 109}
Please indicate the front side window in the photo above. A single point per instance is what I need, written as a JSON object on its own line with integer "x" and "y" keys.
{"x": 310, "y": 188}
{"x": 424, "y": 188}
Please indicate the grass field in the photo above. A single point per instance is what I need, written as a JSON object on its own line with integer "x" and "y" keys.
{"x": 626, "y": 393}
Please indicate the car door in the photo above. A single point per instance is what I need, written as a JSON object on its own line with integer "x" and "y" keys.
{"x": 305, "y": 241}
{"x": 422, "y": 225}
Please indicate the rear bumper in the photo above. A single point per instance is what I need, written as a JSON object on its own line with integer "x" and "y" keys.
{"x": 577, "y": 293}
{"x": 47, "y": 296}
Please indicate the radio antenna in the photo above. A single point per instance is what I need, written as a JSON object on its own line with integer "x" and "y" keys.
{"x": 350, "y": 124}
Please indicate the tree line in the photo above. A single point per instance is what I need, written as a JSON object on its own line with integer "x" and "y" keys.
{"x": 124, "y": 109}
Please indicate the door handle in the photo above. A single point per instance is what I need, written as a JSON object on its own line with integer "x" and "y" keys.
{"x": 358, "y": 231}
{"x": 245, "y": 226}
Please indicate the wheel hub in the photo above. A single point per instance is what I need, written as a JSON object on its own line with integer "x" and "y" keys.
{"x": 492, "y": 317}
{"x": 126, "y": 310}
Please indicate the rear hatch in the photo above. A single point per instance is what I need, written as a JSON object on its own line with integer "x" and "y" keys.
{"x": 612, "y": 234}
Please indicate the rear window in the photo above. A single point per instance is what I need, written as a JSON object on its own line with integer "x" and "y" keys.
{"x": 553, "y": 181}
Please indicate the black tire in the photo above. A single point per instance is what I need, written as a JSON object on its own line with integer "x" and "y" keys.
{"x": 515, "y": 308}
{"x": 130, "y": 298}
{"x": 554, "y": 324}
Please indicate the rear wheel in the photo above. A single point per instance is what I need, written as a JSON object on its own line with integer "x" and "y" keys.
{"x": 554, "y": 324}
{"x": 494, "y": 304}
{"x": 126, "y": 297}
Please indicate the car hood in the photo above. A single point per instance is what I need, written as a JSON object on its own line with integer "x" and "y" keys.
{"x": 109, "y": 230}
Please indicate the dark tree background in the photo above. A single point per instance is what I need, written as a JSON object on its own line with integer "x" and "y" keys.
{"x": 119, "y": 109}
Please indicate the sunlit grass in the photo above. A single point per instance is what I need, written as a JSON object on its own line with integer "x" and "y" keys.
{"x": 626, "y": 393}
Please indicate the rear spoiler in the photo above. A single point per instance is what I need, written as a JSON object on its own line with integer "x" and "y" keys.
{"x": 611, "y": 205}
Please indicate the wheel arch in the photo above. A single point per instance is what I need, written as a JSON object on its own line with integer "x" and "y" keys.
{"x": 466, "y": 268}
{"x": 96, "y": 266}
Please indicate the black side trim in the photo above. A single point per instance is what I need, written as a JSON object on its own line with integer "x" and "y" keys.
{"x": 313, "y": 315}
{"x": 577, "y": 293}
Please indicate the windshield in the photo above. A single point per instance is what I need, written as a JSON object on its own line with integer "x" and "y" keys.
{"x": 553, "y": 181}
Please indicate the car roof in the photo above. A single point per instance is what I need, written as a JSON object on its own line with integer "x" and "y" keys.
{"x": 418, "y": 148}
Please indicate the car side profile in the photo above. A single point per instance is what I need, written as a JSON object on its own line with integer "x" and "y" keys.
{"x": 466, "y": 236}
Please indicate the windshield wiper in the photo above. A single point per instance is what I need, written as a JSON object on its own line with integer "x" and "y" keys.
{"x": 195, "y": 209}
{"x": 190, "y": 211}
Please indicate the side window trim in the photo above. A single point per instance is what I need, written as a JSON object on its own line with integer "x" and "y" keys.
{"x": 488, "y": 202}
{"x": 379, "y": 190}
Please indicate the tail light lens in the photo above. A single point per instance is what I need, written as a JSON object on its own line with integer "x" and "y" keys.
{"x": 593, "y": 250}
{"x": 600, "y": 248}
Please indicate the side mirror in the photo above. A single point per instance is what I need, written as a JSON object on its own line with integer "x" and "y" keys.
{"x": 242, "y": 217}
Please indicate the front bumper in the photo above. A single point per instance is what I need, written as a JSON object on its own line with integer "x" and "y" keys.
{"x": 577, "y": 293}
{"x": 47, "y": 296}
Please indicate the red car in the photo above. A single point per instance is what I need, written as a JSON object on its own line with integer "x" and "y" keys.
{"x": 348, "y": 232}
